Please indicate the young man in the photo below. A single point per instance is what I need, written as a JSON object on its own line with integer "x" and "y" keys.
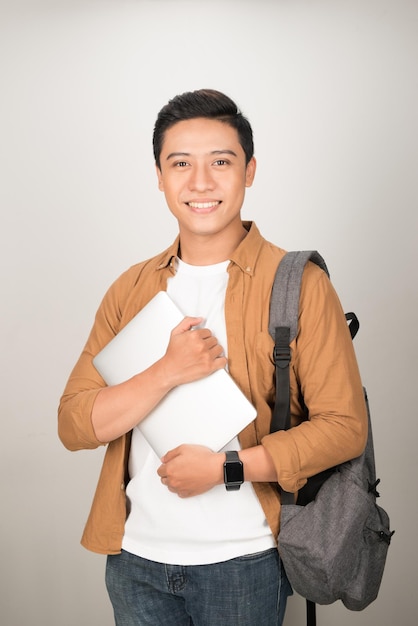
{"x": 182, "y": 548}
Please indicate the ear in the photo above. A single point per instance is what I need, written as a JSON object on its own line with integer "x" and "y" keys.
{"x": 250, "y": 172}
{"x": 160, "y": 178}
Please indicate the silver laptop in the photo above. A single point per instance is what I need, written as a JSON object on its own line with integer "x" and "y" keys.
{"x": 210, "y": 411}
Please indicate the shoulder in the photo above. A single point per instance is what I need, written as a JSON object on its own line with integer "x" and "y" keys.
{"x": 319, "y": 303}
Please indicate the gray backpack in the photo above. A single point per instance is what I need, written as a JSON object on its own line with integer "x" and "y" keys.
{"x": 334, "y": 540}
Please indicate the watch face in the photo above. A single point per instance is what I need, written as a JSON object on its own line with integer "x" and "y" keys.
{"x": 234, "y": 472}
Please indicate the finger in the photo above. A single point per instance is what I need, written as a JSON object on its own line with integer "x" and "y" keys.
{"x": 214, "y": 347}
{"x": 187, "y": 324}
{"x": 210, "y": 341}
{"x": 203, "y": 334}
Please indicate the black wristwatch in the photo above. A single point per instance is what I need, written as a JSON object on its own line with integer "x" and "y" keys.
{"x": 233, "y": 471}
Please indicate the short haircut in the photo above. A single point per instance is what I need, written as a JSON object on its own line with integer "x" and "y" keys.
{"x": 206, "y": 103}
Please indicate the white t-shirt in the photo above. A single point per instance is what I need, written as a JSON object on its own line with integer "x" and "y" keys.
{"x": 214, "y": 526}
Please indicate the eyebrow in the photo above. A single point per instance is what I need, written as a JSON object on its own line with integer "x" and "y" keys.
{"x": 174, "y": 155}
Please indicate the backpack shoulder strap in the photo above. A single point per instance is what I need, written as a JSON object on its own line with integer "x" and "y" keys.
{"x": 283, "y": 325}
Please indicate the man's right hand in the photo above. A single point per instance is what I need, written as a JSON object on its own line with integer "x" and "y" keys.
{"x": 192, "y": 353}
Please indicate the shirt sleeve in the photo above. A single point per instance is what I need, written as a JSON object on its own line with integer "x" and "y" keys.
{"x": 324, "y": 372}
{"x": 75, "y": 427}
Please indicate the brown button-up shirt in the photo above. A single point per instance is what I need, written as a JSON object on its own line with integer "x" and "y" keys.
{"x": 323, "y": 368}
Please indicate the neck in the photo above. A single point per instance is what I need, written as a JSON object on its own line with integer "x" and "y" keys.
{"x": 209, "y": 250}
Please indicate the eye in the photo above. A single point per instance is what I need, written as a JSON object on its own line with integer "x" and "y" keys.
{"x": 221, "y": 162}
{"x": 181, "y": 164}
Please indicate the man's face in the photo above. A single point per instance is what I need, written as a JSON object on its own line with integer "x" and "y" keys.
{"x": 203, "y": 176}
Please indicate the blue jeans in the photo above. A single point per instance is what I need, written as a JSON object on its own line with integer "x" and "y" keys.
{"x": 246, "y": 591}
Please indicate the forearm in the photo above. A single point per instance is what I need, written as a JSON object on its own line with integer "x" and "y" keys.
{"x": 119, "y": 408}
{"x": 91, "y": 414}
{"x": 258, "y": 465}
{"x": 190, "y": 470}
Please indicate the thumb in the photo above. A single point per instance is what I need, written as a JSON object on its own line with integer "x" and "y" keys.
{"x": 171, "y": 454}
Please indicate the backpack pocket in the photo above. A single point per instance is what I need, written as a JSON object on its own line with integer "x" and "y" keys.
{"x": 335, "y": 547}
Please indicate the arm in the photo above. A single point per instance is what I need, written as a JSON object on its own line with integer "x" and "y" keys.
{"x": 90, "y": 413}
{"x": 189, "y": 356}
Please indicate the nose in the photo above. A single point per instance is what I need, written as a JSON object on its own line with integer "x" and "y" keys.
{"x": 201, "y": 178}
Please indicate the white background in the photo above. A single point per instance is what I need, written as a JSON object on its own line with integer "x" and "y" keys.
{"x": 330, "y": 88}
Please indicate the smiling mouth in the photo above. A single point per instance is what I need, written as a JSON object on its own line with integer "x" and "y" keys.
{"x": 204, "y": 205}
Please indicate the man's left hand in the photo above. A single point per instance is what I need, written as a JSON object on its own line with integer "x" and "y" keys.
{"x": 190, "y": 470}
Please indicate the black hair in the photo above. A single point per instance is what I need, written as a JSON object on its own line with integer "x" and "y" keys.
{"x": 206, "y": 103}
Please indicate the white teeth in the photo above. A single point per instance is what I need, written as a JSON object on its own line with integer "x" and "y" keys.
{"x": 203, "y": 205}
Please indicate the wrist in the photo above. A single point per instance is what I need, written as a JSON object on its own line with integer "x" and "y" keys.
{"x": 164, "y": 376}
{"x": 219, "y": 468}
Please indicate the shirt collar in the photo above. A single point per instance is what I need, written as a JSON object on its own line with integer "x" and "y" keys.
{"x": 245, "y": 255}
{"x": 167, "y": 257}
